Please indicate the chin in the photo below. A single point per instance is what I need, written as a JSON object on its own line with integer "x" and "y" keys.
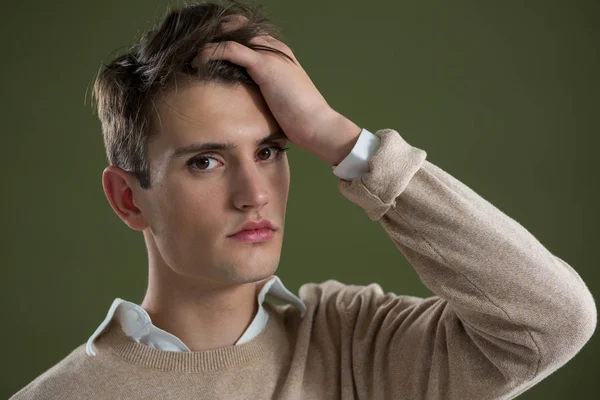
{"x": 245, "y": 270}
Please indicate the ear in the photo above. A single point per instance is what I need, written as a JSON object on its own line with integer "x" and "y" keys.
{"x": 117, "y": 184}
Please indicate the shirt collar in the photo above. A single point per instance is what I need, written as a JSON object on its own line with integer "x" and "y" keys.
{"x": 136, "y": 323}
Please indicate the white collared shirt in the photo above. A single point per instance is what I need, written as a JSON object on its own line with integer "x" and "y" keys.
{"x": 136, "y": 322}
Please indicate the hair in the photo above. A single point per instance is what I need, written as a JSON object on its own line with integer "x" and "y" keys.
{"x": 124, "y": 90}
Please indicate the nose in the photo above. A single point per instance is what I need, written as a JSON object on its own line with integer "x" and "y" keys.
{"x": 249, "y": 189}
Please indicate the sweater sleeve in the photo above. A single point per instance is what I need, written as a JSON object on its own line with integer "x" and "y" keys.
{"x": 506, "y": 311}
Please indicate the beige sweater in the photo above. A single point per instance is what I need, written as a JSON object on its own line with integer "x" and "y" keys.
{"x": 507, "y": 314}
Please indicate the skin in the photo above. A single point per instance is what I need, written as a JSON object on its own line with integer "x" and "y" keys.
{"x": 200, "y": 280}
{"x": 202, "y": 285}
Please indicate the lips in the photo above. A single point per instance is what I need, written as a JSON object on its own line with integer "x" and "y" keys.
{"x": 263, "y": 225}
{"x": 252, "y": 236}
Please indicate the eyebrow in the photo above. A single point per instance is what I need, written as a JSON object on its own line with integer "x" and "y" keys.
{"x": 198, "y": 147}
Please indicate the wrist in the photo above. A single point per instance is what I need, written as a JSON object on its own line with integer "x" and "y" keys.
{"x": 337, "y": 140}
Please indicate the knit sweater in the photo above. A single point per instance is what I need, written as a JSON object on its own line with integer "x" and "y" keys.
{"x": 506, "y": 313}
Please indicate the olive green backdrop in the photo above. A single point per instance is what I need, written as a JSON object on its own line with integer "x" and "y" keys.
{"x": 502, "y": 95}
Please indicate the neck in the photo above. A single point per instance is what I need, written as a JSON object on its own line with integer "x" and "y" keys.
{"x": 203, "y": 314}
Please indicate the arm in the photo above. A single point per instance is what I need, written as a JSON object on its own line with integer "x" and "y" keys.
{"x": 507, "y": 311}
{"x": 506, "y": 314}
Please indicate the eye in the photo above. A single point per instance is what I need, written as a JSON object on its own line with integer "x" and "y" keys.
{"x": 266, "y": 153}
{"x": 207, "y": 163}
{"x": 203, "y": 163}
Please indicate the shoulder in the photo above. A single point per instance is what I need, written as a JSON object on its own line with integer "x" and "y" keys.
{"x": 345, "y": 294}
{"x": 53, "y": 383}
{"x": 332, "y": 291}
{"x": 352, "y": 299}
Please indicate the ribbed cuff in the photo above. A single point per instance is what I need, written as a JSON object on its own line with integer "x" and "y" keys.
{"x": 390, "y": 169}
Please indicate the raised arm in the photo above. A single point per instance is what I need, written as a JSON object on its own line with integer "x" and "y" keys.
{"x": 507, "y": 311}
{"x": 506, "y": 314}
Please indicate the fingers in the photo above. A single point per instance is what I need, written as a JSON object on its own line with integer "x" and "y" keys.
{"x": 237, "y": 53}
{"x": 237, "y": 21}
{"x": 270, "y": 41}
{"x": 233, "y": 23}
{"x": 230, "y": 51}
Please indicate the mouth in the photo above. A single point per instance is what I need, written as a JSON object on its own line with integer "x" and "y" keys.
{"x": 253, "y": 235}
{"x": 254, "y": 231}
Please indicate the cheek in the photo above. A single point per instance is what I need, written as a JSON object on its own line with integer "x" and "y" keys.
{"x": 281, "y": 181}
{"x": 188, "y": 209}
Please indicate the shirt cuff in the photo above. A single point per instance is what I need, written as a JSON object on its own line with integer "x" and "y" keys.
{"x": 357, "y": 162}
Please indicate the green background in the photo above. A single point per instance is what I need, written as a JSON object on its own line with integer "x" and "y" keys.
{"x": 503, "y": 95}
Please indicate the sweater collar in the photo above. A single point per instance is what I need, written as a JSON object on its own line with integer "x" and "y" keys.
{"x": 115, "y": 343}
{"x": 137, "y": 325}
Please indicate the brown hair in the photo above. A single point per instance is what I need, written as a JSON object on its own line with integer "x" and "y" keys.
{"x": 124, "y": 90}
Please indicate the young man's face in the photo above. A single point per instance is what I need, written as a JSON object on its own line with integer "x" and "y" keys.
{"x": 200, "y": 197}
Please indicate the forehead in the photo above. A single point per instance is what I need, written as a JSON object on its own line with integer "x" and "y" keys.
{"x": 209, "y": 112}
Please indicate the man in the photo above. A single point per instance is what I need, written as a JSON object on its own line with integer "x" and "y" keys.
{"x": 195, "y": 119}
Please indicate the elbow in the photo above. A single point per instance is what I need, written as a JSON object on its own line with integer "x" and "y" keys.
{"x": 575, "y": 314}
{"x": 572, "y": 327}
{"x": 586, "y": 318}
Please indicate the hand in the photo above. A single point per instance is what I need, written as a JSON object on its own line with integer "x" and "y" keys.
{"x": 296, "y": 104}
